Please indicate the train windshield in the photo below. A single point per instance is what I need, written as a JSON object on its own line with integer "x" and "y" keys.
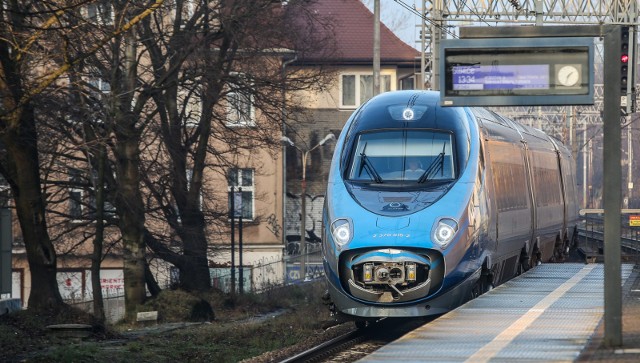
{"x": 417, "y": 156}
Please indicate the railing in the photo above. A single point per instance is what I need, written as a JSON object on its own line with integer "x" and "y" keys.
{"x": 591, "y": 233}
{"x": 113, "y": 306}
{"x": 265, "y": 274}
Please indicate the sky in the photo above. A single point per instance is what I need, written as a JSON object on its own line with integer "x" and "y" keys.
{"x": 400, "y": 20}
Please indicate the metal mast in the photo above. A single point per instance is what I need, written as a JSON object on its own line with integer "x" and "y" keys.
{"x": 563, "y": 122}
{"x": 530, "y": 12}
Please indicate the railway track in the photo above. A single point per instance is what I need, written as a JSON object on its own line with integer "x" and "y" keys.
{"x": 357, "y": 343}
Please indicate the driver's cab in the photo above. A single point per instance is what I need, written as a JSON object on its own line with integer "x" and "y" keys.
{"x": 402, "y": 155}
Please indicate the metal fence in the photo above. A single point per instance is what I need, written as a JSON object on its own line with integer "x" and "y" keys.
{"x": 592, "y": 237}
{"x": 269, "y": 273}
{"x": 265, "y": 274}
{"x": 113, "y": 306}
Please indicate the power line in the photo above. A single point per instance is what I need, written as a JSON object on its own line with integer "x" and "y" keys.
{"x": 475, "y": 13}
{"x": 432, "y": 22}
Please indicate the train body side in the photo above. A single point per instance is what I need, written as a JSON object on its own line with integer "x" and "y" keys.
{"x": 533, "y": 184}
{"x": 497, "y": 210}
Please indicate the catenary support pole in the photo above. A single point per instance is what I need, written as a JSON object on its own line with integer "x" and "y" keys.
{"x": 611, "y": 188}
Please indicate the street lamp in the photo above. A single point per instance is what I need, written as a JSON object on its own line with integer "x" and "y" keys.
{"x": 303, "y": 199}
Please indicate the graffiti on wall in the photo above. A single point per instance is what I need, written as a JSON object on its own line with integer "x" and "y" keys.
{"x": 273, "y": 226}
{"x": 313, "y": 222}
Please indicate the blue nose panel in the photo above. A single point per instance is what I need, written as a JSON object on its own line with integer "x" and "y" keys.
{"x": 391, "y": 223}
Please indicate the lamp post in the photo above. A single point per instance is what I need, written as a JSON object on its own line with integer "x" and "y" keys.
{"x": 303, "y": 199}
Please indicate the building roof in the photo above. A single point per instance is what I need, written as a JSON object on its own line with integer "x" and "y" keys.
{"x": 354, "y": 35}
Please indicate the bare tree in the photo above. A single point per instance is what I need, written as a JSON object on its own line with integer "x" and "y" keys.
{"x": 121, "y": 121}
{"x": 22, "y": 30}
{"x": 30, "y": 64}
{"x": 140, "y": 148}
{"x": 210, "y": 64}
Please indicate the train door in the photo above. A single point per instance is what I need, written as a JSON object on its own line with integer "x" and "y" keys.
{"x": 513, "y": 202}
{"x": 486, "y": 193}
{"x": 507, "y": 190}
{"x": 567, "y": 169}
{"x": 482, "y": 204}
{"x": 548, "y": 199}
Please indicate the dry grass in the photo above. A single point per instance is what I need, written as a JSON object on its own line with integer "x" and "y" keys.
{"x": 235, "y": 334}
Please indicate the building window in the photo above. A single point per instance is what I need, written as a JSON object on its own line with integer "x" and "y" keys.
{"x": 100, "y": 12}
{"x": 357, "y": 88}
{"x": 408, "y": 83}
{"x": 108, "y": 210}
{"x": 243, "y": 201}
{"x": 82, "y": 198}
{"x": 99, "y": 84}
{"x": 76, "y": 195}
{"x": 189, "y": 8}
{"x": 190, "y": 107}
{"x": 240, "y": 109}
{"x": 187, "y": 11}
{"x": 189, "y": 180}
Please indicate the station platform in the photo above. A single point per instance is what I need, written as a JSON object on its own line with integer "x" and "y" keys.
{"x": 552, "y": 313}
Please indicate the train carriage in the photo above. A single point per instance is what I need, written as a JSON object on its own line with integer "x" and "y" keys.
{"x": 428, "y": 206}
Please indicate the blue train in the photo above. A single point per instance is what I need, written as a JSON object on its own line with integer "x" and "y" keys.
{"x": 428, "y": 206}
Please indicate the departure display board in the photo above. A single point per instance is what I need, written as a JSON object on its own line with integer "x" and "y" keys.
{"x": 516, "y": 71}
{"x": 500, "y": 77}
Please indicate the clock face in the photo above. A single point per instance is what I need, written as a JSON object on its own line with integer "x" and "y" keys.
{"x": 568, "y": 76}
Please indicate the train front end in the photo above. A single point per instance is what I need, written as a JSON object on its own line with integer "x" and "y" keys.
{"x": 400, "y": 229}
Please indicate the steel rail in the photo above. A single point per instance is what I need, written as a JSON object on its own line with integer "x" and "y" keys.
{"x": 329, "y": 347}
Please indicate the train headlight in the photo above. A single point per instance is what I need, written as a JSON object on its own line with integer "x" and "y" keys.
{"x": 341, "y": 232}
{"x": 444, "y": 231}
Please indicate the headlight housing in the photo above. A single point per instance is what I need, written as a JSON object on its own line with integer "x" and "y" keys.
{"x": 341, "y": 231}
{"x": 443, "y": 232}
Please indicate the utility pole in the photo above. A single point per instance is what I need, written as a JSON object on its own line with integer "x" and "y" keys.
{"x": 539, "y": 12}
{"x": 611, "y": 187}
{"x": 630, "y": 166}
{"x": 240, "y": 263}
{"x": 376, "y": 47}
{"x": 423, "y": 43}
{"x": 436, "y": 36}
{"x": 303, "y": 198}
{"x": 585, "y": 164}
{"x": 5, "y": 248}
{"x": 232, "y": 218}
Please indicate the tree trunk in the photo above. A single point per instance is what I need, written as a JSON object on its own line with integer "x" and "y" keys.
{"x": 194, "y": 273}
{"x": 131, "y": 212}
{"x": 152, "y": 284}
{"x": 96, "y": 258}
{"x": 129, "y": 201}
{"x": 21, "y": 169}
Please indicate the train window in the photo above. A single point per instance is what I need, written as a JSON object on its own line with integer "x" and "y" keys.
{"x": 546, "y": 179}
{"x": 420, "y": 156}
{"x": 509, "y": 181}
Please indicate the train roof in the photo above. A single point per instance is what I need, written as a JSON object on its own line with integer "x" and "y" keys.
{"x": 408, "y": 109}
{"x": 414, "y": 109}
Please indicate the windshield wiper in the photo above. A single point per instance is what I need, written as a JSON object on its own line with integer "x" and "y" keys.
{"x": 365, "y": 163}
{"x": 436, "y": 165}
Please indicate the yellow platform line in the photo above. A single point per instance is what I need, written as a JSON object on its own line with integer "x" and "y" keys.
{"x": 503, "y": 339}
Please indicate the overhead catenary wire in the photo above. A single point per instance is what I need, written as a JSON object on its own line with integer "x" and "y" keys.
{"x": 431, "y": 21}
